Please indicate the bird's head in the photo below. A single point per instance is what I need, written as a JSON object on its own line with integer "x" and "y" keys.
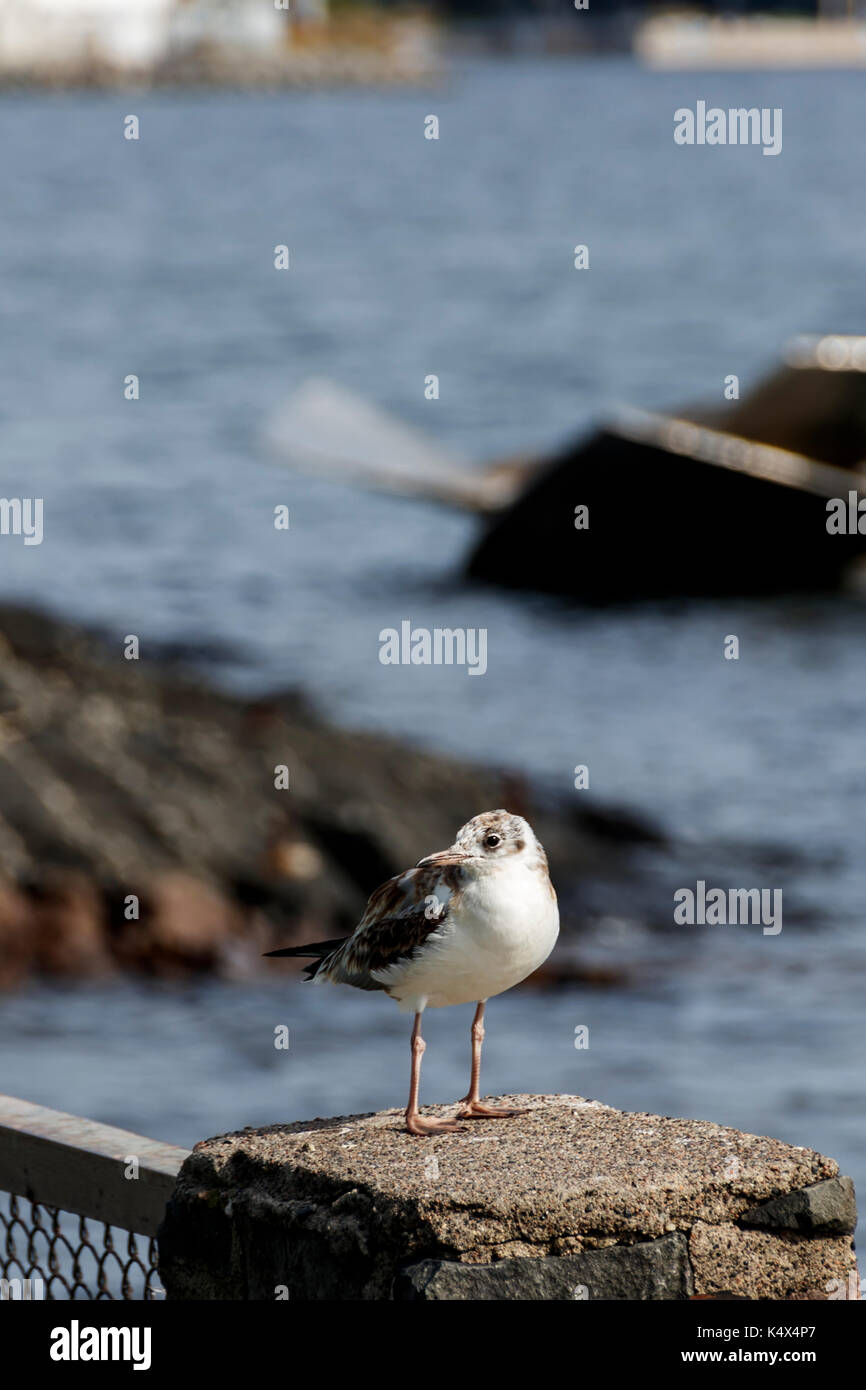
{"x": 498, "y": 836}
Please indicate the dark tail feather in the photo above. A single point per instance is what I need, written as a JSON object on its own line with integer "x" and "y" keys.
{"x": 319, "y": 950}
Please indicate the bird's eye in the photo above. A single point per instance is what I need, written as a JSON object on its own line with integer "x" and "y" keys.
{"x": 491, "y": 841}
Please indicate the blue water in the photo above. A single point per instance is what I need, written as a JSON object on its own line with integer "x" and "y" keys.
{"x": 455, "y": 257}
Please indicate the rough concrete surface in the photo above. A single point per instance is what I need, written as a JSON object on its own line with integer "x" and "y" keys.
{"x": 336, "y": 1208}
{"x": 761, "y": 1264}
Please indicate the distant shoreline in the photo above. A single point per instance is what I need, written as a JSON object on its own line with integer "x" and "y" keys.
{"x": 350, "y": 51}
{"x": 218, "y": 71}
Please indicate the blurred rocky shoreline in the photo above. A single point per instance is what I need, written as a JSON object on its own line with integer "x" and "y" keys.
{"x": 142, "y": 828}
{"x": 236, "y": 45}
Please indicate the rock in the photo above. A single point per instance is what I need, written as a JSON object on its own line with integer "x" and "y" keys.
{"x": 761, "y": 469}
{"x": 68, "y": 926}
{"x": 640, "y": 492}
{"x": 128, "y": 778}
{"x": 356, "y": 1208}
{"x": 16, "y": 936}
{"x": 295, "y": 859}
{"x": 184, "y": 924}
{"x": 652, "y": 1269}
{"x": 828, "y": 1208}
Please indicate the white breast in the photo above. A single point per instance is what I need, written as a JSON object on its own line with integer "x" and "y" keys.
{"x": 503, "y": 927}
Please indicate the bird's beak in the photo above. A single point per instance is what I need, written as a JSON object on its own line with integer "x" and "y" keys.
{"x": 442, "y": 859}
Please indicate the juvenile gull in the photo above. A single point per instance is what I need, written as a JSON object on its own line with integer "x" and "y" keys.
{"x": 463, "y": 925}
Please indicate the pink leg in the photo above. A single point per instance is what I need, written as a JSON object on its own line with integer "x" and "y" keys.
{"x": 415, "y": 1122}
{"x": 472, "y": 1109}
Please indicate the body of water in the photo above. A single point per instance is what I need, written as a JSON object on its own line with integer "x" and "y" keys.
{"x": 453, "y": 257}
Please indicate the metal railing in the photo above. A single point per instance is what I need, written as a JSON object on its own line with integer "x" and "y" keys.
{"x": 80, "y": 1206}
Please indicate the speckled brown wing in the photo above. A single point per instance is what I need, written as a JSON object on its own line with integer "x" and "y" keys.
{"x": 400, "y": 916}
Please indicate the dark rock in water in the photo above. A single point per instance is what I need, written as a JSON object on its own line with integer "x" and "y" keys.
{"x": 662, "y": 525}
{"x": 141, "y": 827}
{"x": 652, "y": 1269}
{"x": 620, "y": 826}
{"x": 730, "y": 500}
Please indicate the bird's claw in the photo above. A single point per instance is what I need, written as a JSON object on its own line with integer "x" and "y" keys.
{"x": 417, "y": 1124}
{"x": 474, "y": 1110}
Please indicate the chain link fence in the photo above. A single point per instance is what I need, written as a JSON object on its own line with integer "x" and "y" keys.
{"x": 80, "y": 1206}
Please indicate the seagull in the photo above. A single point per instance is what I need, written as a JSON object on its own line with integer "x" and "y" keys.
{"x": 463, "y": 925}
